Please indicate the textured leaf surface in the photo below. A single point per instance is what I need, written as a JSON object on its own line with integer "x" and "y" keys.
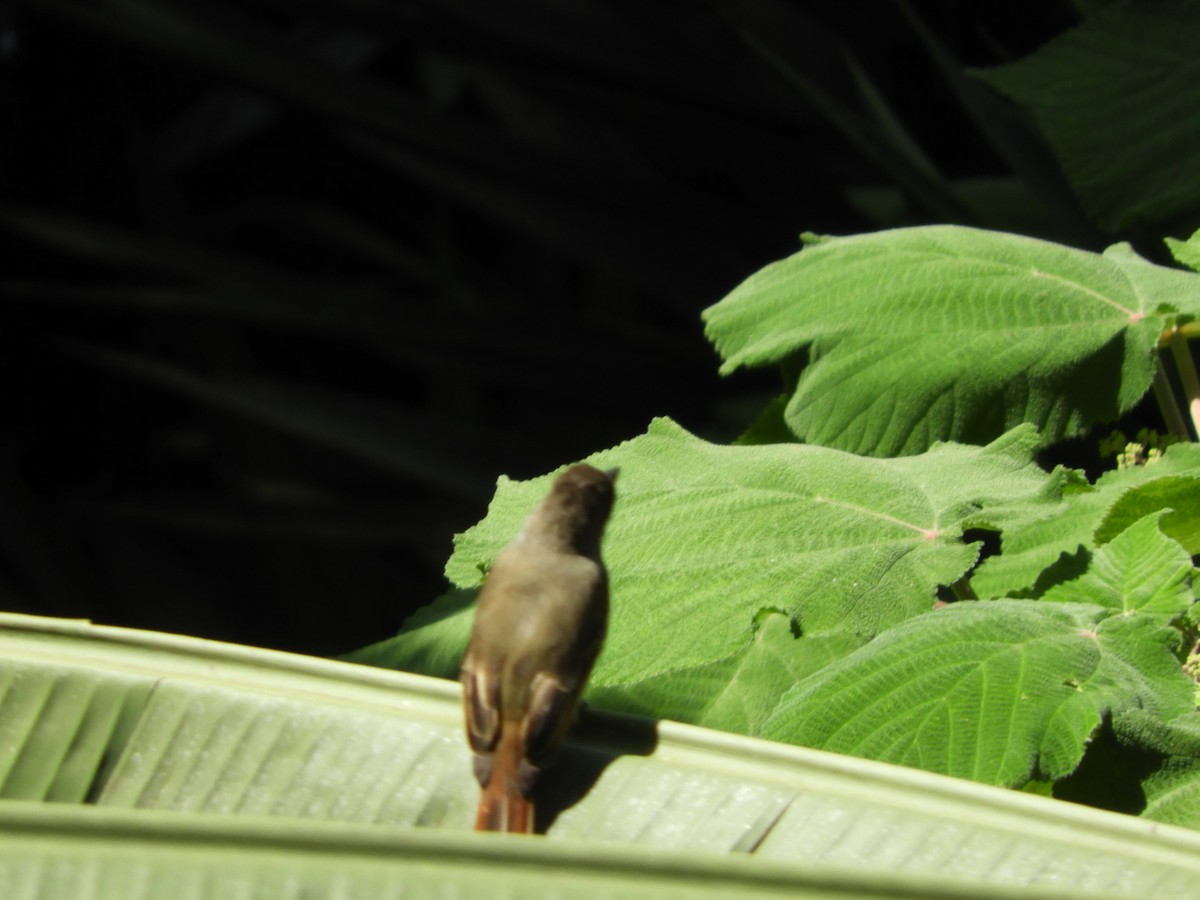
{"x": 735, "y": 693}
{"x": 1142, "y": 571}
{"x": 816, "y": 824}
{"x": 1068, "y": 538}
{"x": 58, "y": 726}
{"x": 738, "y": 693}
{"x": 1180, "y": 495}
{"x": 1172, "y": 789}
{"x": 1186, "y": 252}
{"x": 433, "y": 639}
{"x": 139, "y": 720}
{"x": 996, "y": 692}
{"x": 50, "y": 853}
{"x": 1116, "y": 99}
{"x": 948, "y": 333}
{"x": 705, "y": 536}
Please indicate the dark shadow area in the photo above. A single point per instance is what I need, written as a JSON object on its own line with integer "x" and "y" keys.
{"x": 1095, "y": 385}
{"x": 287, "y": 286}
{"x": 597, "y": 739}
{"x": 1090, "y": 394}
{"x": 1084, "y": 452}
{"x": 1067, "y": 567}
{"x": 1110, "y": 775}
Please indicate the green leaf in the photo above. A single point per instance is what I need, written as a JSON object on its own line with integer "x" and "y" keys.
{"x": 1179, "y": 494}
{"x": 734, "y": 693}
{"x": 1172, "y": 789}
{"x": 1186, "y": 252}
{"x": 997, "y": 692}
{"x": 738, "y": 693}
{"x": 1045, "y": 196}
{"x": 257, "y": 773}
{"x": 703, "y": 536}
{"x": 134, "y": 719}
{"x": 1142, "y": 571}
{"x": 1173, "y": 793}
{"x": 1069, "y": 538}
{"x": 432, "y": 641}
{"x": 947, "y": 333}
{"x": 56, "y": 852}
{"x": 1116, "y": 99}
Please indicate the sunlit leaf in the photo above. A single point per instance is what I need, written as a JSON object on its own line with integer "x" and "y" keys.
{"x": 948, "y": 333}
{"x": 1068, "y": 538}
{"x": 997, "y": 692}
{"x": 1179, "y": 494}
{"x": 705, "y": 535}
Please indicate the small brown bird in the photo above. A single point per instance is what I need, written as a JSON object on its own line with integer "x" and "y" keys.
{"x": 540, "y": 621}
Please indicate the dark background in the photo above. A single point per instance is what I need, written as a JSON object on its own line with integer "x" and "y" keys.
{"x": 288, "y": 283}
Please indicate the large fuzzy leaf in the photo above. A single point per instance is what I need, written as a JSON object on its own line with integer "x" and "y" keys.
{"x": 705, "y": 537}
{"x": 997, "y": 692}
{"x": 1187, "y": 252}
{"x": 1172, "y": 787}
{"x": 1179, "y": 495}
{"x": 1142, "y": 571}
{"x": 737, "y": 693}
{"x": 1068, "y": 539}
{"x": 947, "y": 333}
{"x": 357, "y": 754}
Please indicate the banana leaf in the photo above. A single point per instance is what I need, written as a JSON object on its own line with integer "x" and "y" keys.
{"x": 144, "y": 764}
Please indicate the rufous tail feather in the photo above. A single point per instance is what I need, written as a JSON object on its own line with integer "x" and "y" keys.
{"x": 502, "y": 806}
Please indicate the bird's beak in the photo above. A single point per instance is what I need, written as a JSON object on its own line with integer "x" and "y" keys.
{"x": 612, "y": 475}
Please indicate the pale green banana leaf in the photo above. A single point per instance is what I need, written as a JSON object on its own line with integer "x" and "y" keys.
{"x": 211, "y": 762}
{"x": 52, "y": 852}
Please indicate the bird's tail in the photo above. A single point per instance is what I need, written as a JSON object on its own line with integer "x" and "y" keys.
{"x": 503, "y": 806}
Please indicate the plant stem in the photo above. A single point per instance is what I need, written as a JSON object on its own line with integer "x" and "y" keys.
{"x": 1186, "y": 366}
{"x": 963, "y": 589}
{"x": 1165, "y": 396}
{"x": 1187, "y": 330}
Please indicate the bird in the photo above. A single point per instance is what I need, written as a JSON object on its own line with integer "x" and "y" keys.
{"x": 539, "y": 625}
